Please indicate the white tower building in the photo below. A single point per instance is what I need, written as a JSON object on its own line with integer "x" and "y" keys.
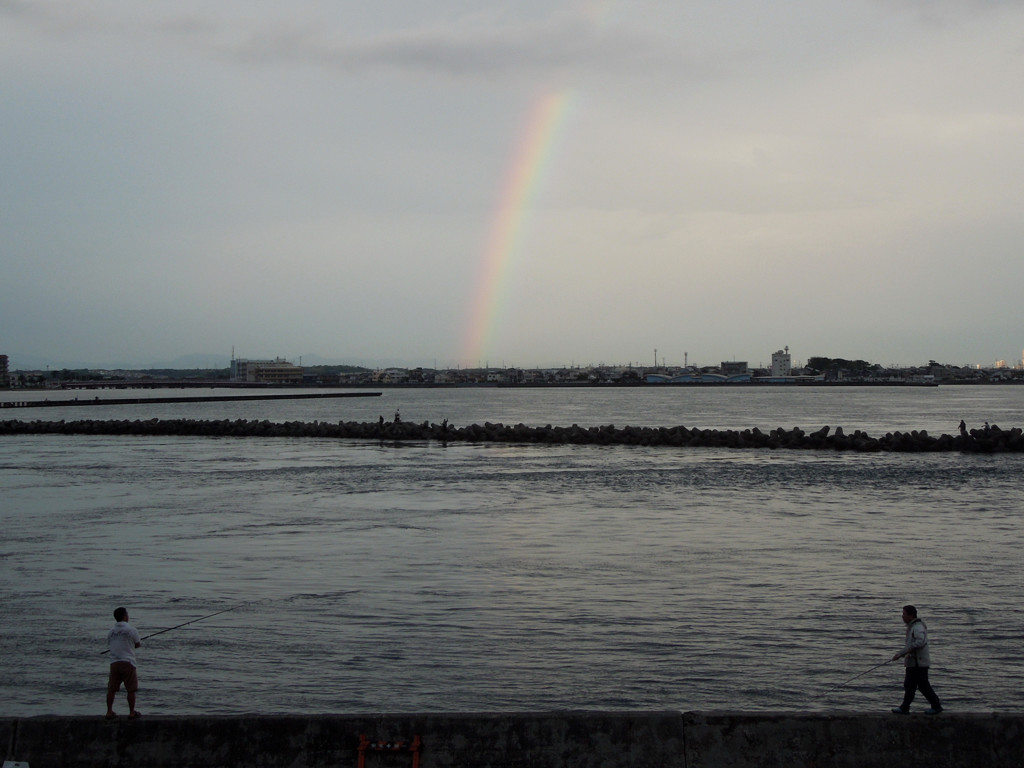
{"x": 782, "y": 363}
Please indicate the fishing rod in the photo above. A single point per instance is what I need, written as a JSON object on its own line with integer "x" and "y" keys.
{"x": 185, "y": 624}
{"x": 859, "y": 674}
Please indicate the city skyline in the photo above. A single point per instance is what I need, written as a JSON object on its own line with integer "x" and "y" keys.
{"x": 312, "y": 360}
{"x": 467, "y": 183}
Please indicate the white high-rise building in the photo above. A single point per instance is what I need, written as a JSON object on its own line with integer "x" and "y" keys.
{"x": 782, "y": 363}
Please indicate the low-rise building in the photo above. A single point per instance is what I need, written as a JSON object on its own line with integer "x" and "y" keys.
{"x": 735, "y": 367}
{"x": 391, "y": 376}
{"x": 277, "y": 371}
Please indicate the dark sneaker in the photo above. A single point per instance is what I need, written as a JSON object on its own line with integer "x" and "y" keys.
{"x": 932, "y": 711}
{"x": 899, "y": 711}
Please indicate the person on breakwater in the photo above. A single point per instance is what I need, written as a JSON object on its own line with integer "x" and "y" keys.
{"x": 122, "y": 640}
{"x": 917, "y": 661}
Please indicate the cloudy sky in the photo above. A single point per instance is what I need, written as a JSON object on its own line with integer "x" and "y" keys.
{"x": 462, "y": 182}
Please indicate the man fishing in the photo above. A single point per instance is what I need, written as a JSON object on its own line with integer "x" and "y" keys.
{"x": 916, "y": 660}
{"x": 122, "y": 640}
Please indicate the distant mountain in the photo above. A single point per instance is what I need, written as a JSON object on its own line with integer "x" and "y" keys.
{"x": 188, "y": 362}
{"x": 311, "y": 358}
{"x": 21, "y": 362}
{"x": 201, "y": 361}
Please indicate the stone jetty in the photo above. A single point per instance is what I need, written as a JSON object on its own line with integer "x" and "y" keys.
{"x": 990, "y": 439}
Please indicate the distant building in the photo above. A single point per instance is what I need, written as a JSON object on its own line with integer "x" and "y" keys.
{"x": 735, "y": 368}
{"x": 391, "y": 376}
{"x": 782, "y": 363}
{"x": 277, "y": 371}
{"x": 504, "y": 376}
{"x": 5, "y": 377}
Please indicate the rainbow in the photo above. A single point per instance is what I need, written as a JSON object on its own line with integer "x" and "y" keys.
{"x": 519, "y": 192}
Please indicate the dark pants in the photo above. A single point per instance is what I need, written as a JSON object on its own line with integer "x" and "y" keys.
{"x": 917, "y": 679}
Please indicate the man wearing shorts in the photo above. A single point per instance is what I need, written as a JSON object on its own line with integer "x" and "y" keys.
{"x": 122, "y": 640}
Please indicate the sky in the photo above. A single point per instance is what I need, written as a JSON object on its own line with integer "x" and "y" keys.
{"x": 468, "y": 182}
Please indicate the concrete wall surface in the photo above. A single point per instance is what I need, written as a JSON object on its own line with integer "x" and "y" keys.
{"x": 737, "y": 740}
{"x": 522, "y": 740}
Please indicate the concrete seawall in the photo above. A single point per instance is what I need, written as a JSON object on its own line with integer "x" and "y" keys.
{"x": 521, "y": 740}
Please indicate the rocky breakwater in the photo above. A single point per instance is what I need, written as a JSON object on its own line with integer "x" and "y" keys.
{"x": 990, "y": 439}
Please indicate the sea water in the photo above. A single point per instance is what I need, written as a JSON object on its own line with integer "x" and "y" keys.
{"x": 383, "y": 577}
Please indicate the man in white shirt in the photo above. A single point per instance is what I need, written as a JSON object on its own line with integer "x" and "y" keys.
{"x": 122, "y": 640}
{"x": 917, "y": 661}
